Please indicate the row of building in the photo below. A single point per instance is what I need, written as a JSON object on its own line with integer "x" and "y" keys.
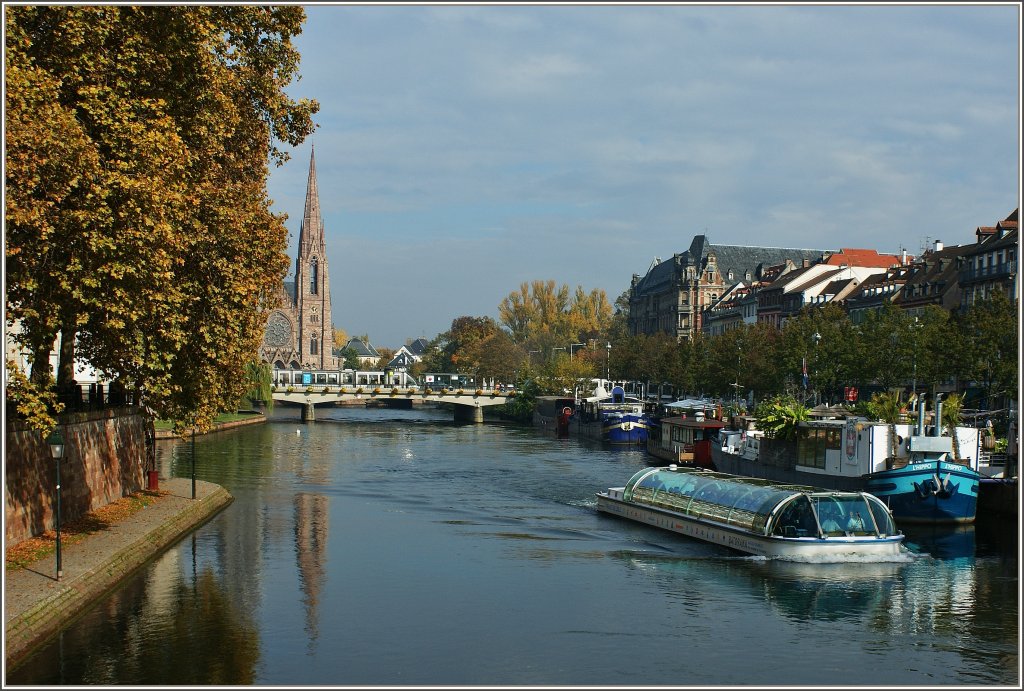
{"x": 711, "y": 289}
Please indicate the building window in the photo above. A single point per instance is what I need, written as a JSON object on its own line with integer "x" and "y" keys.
{"x": 313, "y": 346}
{"x": 313, "y": 276}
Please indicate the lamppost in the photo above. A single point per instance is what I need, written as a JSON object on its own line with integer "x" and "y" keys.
{"x": 608, "y": 362}
{"x": 913, "y": 395}
{"x": 573, "y": 345}
{"x": 56, "y": 442}
{"x": 817, "y": 340}
{"x": 557, "y": 348}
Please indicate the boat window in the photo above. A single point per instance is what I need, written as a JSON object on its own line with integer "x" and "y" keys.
{"x": 883, "y": 519}
{"x": 849, "y": 515}
{"x": 812, "y": 444}
{"x": 796, "y": 519}
{"x": 743, "y": 502}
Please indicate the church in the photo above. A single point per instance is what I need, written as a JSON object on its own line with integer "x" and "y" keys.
{"x": 300, "y": 332}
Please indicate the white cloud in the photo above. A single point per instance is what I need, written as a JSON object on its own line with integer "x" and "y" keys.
{"x": 577, "y": 142}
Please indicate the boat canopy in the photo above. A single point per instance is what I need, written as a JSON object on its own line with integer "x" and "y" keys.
{"x": 760, "y": 506}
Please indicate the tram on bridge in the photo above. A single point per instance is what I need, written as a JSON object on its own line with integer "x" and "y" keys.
{"x": 341, "y": 377}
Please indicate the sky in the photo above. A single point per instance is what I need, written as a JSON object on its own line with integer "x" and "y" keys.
{"x": 464, "y": 150}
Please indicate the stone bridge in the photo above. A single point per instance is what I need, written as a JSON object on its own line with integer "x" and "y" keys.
{"x": 469, "y": 403}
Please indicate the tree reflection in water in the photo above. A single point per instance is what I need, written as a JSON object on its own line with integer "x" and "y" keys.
{"x": 140, "y": 637}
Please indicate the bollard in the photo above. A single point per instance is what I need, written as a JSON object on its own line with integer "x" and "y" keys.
{"x": 152, "y": 480}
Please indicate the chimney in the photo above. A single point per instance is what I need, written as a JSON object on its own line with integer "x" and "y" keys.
{"x": 805, "y": 263}
{"x": 938, "y": 245}
{"x": 903, "y": 257}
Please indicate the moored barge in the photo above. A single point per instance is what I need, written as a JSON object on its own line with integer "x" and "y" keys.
{"x": 757, "y": 516}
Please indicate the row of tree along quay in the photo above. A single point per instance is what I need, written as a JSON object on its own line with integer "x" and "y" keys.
{"x": 549, "y": 343}
{"x": 138, "y": 226}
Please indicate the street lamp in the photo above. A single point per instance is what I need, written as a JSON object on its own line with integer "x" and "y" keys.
{"x": 916, "y": 325}
{"x": 56, "y": 442}
{"x": 573, "y": 345}
{"x": 817, "y": 340}
{"x": 608, "y": 362}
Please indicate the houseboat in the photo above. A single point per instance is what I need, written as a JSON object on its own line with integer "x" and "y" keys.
{"x": 685, "y": 440}
{"x": 930, "y": 485}
{"x": 554, "y": 413}
{"x": 758, "y": 517}
{"x": 845, "y": 454}
{"x": 616, "y": 418}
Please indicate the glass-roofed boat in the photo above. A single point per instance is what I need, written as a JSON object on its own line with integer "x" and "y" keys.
{"x": 758, "y": 516}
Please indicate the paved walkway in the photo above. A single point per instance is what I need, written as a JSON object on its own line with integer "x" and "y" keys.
{"x": 36, "y": 605}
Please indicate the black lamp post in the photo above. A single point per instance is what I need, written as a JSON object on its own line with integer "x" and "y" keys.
{"x": 817, "y": 340}
{"x": 56, "y": 442}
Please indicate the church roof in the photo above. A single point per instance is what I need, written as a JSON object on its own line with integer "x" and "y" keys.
{"x": 312, "y": 230}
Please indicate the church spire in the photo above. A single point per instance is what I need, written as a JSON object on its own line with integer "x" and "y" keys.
{"x": 311, "y": 234}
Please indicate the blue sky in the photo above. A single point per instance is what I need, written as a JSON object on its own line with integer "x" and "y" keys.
{"x": 463, "y": 150}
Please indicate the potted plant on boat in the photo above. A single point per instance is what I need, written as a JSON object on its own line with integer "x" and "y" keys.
{"x": 889, "y": 408}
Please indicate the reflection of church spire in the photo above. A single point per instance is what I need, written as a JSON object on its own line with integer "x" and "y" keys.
{"x": 311, "y": 519}
{"x": 311, "y": 234}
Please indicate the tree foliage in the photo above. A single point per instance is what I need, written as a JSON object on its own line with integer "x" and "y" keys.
{"x": 542, "y": 315}
{"x": 780, "y": 416}
{"x": 138, "y": 226}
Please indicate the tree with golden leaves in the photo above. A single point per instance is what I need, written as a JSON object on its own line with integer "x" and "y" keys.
{"x": 139, "y": 140}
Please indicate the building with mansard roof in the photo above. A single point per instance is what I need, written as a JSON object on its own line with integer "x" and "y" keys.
{"x": 300, "y": 330}
{"x": 672, "y": 297}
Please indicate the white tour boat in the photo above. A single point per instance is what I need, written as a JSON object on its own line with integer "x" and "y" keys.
{"x": 757, "y": 516}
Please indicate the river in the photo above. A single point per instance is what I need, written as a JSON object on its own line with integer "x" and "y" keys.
{"x": 395, "y": 547}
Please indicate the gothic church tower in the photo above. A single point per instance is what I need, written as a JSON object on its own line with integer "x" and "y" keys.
{"x": 300, "y": 333}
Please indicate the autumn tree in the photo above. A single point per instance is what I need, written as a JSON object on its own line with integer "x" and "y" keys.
{"x": 340, "y": 338}
{"x": 542, "y": 315}
{"x": 139, "y": 140}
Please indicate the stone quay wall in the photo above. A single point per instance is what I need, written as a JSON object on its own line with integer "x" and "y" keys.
{"x": 104, "y": 460}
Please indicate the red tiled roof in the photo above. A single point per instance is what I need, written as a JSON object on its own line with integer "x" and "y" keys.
{"x": 861, "y": 257}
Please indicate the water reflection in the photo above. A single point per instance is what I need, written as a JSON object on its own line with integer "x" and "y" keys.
{"x": 169, "y": 628}
{"x": 797, "y": 590}
{"x": 941, "y": 541}
{"x": 397, "y": 548}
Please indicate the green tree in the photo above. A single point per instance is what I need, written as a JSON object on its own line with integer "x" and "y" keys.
{"x": 952, "y": 417}
{"x": 991, "y": 351}
{"x": 138, "y": 226}
{"x": 888, "y": 407}
{"x": 260, "y": 381}
{"x": 890, "y": 339}
{"x": 779, "y": 417}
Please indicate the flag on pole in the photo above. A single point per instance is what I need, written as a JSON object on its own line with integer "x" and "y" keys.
{"x": 807, "y": 379}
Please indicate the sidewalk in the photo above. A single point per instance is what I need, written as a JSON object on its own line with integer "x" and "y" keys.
{"x": 36, "y": 605}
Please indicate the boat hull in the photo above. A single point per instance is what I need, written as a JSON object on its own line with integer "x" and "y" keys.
{"x": 625, "y": 429}
{"x": 797, "y": 549}
{"x": 928, "y": 492}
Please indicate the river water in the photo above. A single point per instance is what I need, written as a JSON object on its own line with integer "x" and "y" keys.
{"x": 389, "y": 547}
